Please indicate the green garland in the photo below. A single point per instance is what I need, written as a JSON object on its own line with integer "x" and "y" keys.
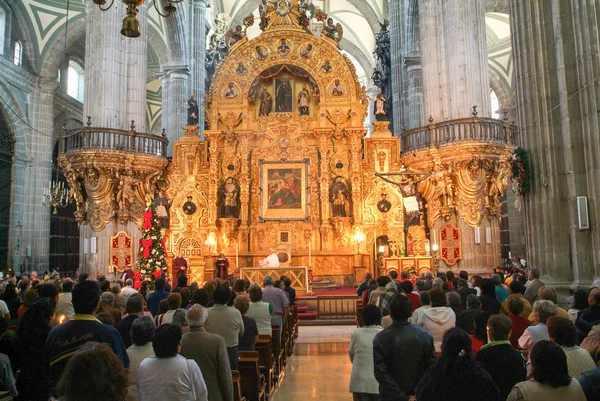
{"x": 520, "y": 172}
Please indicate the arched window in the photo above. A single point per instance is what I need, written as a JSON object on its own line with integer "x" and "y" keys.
{"x": 75, "y": 80}
{"x": 2, "y": 29}
{"x": 495, "y": 103}
{"x": 18, "y": 54}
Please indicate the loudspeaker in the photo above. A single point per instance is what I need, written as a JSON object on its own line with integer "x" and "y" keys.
{"x": 488, "y": 235}
{"x": 477, "y": 232}
{"x": 582, "y": 213}
{"x": 29, "y": 250}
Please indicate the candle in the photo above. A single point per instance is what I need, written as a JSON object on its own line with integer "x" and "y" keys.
{"x": 309, "y": 254}
{"x": 237, "y": 264}
{"x": 434, "y": 236}
{"x": 509, "y": 255}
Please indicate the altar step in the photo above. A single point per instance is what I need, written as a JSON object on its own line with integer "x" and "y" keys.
{"x": 304, "y": 313}
{"x": 324, "y": 285}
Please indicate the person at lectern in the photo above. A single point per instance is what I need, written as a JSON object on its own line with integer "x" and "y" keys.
{"x": 179, "y": 267}
{"x": 221, "y": 265}
{"x": 270, "y": 261}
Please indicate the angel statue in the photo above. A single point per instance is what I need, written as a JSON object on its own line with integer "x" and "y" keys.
{"x": 332, "y": 31}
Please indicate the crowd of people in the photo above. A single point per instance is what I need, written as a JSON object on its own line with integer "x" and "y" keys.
{"x": 94, "y": 339}
{"x": 472, "y": 338}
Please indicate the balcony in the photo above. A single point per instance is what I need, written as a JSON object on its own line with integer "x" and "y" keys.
{"x": 462, "y": 130}
{"x": 95, "y": 139}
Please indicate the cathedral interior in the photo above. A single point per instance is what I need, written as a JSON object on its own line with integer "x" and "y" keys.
{"x": 349, "y": 135}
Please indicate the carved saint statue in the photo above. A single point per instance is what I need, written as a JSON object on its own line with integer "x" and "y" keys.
{"x": 228, "y": 195}
{"x": 126, "y": 194}
{"x": 266, "y": 103}
{"x": 380, "y": 105}
{"x": 333, "y": 31}
{"x": 192, "y": 110}
{"x": 161, "y": 203}
{"x": 283, "y": 48}
{"x": 337, "y": 89}
{"x": 339, "y": 196}
{"x": 303, "y": 101}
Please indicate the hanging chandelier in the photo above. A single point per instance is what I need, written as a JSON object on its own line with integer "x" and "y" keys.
{"x": 131, "y": 25}
{"x": 56, "y": 196}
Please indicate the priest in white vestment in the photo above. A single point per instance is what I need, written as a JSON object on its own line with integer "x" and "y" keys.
{"x": 270, "y": 261}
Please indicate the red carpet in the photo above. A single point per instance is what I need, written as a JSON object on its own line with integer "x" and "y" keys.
{"x": 338, "y": 291}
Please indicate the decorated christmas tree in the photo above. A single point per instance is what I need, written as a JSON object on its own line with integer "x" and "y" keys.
{"x": 151, "y": 258}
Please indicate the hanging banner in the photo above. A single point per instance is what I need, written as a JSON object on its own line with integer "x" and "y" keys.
{"x": 121, "y": 250}
{"x": 450, "y": 247}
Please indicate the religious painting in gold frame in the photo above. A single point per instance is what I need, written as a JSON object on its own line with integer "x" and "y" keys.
{"x": 284, "y": 95}
{"x": 284, "y": 190}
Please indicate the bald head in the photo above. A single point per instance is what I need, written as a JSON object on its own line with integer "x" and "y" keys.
{"x": 594, "y": 297}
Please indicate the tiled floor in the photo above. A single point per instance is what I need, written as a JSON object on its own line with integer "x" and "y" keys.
{"x": 320, "y": 367}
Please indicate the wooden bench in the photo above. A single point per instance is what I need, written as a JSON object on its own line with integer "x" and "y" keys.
{"x": 237, "y": 389}
{"x": 266, "y": 362}
{"x": 277, "y": 353}
{"x": 252, "y": 382}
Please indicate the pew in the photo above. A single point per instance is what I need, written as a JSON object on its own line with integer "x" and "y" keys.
{"x": 277, "y": 351}
{"x": 237, "y": 389}
{"x": 264, "y": 347}
{"x": 252, "y": 382}
{"x": 359, "y": 313}
{"x": 290, "y": 333}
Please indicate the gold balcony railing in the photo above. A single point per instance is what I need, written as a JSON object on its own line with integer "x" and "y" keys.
{"x": 93, "y": 138}
{"x": 453, "y": 131}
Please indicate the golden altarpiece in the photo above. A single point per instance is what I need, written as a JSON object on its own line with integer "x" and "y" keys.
{"x": 286, "y": 164}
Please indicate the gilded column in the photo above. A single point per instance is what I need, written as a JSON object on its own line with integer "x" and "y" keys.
{"x": 557, "y": 98}
{"x": 454, "y": 58}
{"x": 325, "y": 149}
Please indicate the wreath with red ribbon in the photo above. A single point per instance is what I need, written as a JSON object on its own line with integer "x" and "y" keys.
{"x": 520, "y": 174}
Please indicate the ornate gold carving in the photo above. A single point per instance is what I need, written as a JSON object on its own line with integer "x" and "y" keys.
{"x": 229, "y": 230}
{"x": 116, "y": 184}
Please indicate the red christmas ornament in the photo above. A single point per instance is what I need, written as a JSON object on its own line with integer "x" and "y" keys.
{"x": 146, "y": 243}
{"x": 156, "y": 273}
{"x": 148, "y": 219}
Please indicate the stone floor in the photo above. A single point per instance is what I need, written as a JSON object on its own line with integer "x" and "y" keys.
{"x": 320, "y": 367}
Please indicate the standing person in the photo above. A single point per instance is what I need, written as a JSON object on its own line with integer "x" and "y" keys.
{"x": 68, "y": 337}
{"x": 533, "y": 286}
{"x": 210, "y": 353}
{"x": 33, "y": 384}
{"x": 401, "y": 354}
{"x": 142, "y": 332}
{"x": 226, "y": 322}
{"x": 179, "y": 267}
{"x": 277, "y": 299}
{"x": 287, "y": 282}
{"x": 437, "y": 319}
{"x": 504, "y": 363}
{"x": 271, "y": 260}
{"x": 363, "y": 385}
{"x": 250, "y": 337}
{"x": 222, "y": 264}
{"x": 157, "y": 295}
{"x": 551, "y": 380}
{"x": 64, "y": 304}
{"x": 168, "y": 375}
{"x": 260, "y": 311}
{"x": 456, "y": 376}
{"x": 364, "y": 285}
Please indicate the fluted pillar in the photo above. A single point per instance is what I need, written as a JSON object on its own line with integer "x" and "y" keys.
{"x": 197, "y": 47}
{"x": 36, "y": 225}
{"x": 115, "y": 69}
{"x": 176, "y": 89}
{"x": 454, "y": 58}
{"x": 557, "y": 97}
{"x": 397, "y": 24}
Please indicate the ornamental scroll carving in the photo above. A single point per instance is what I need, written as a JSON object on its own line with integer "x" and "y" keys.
{"x": 114, "y": 186}
{"x": 469, "y": 188}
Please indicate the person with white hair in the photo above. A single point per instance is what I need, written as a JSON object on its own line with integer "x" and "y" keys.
{"x": 210, "y": 353}
{"x": 270, "y": 261}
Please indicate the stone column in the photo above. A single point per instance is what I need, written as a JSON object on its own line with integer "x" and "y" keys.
{"x": 396, "y": 29}
{"x": 115, "y": 69}
{"x": 197, "y": 47}
{"x": 557, "y": 97}
{"x": 36, "y": 224}
{"x": 176, "y": 89}
{"x": 454, "y": 58}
